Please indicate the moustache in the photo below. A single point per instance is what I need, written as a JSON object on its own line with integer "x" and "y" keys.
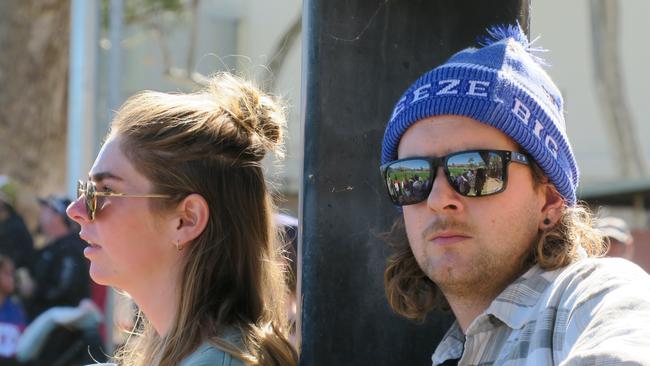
{"x": 446, "y": 224}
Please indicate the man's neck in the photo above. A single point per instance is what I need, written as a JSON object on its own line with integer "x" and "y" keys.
{"x": 467, "y": 304}
{"x": 467, "y": 309}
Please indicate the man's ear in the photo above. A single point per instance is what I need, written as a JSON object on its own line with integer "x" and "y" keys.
{"x": 552, "y": 206}
{"x": 191, "y": 219}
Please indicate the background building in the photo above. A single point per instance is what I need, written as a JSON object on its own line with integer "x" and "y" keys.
{"x": 597, "y": 59}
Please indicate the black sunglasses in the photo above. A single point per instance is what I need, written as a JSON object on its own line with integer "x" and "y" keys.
{"x": 471, "y": 173}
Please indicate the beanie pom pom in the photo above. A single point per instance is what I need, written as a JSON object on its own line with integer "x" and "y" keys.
{"x": 501, "y": 32}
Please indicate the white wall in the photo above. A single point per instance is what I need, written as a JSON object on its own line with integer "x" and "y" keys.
{"x": 264, "y": 24}
{"x": 565, "y": 29}
{"x": 234, "y": 35}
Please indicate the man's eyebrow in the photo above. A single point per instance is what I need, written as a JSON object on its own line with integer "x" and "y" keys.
{"x": 98, "y": 177}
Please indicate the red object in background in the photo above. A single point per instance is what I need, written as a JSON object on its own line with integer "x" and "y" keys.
{"x": 642, "y": 248}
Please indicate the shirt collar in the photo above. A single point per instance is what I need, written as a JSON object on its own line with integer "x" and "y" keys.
{"x": 516, "y": 304}
{"x": 451, "y": 346}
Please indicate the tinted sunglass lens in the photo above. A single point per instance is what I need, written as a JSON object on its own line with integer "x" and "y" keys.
{"x": 80, "y": 189}
{"x": 91, "y": 203}
{"x": 476, "y": 173}
{"x": 408, "y": 181}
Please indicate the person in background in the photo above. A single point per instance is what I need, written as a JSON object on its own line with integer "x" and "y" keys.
{"x": 177, "y": 213}
{"x": 288, "y": 226}
{"x": 12, "y": 317}
{"x": 60, "y": 271}
{"x": 617, "y": 234}
{"x": 15, "y": 240}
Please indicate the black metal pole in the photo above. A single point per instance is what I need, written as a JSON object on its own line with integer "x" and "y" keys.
{"x": 359, "y": 56}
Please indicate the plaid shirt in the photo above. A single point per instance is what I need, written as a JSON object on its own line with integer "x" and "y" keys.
{"x": 595, "y": 311}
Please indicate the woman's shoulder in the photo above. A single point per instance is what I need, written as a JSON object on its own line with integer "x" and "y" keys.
{"x": 209, "y": 355}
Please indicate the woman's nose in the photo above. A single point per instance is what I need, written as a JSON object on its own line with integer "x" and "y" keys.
{"x": 77, "y": 212}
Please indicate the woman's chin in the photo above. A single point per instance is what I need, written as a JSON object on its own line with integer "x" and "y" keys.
{"x": 99, "y": 275}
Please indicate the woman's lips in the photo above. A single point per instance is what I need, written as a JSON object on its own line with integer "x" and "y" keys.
{"x": 88, "y": 241}
{"x": 91, "y": 249}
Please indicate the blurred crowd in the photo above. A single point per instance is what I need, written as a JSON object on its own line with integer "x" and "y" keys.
{"x": 50, "y": 310}
{"x": 42, "y": 287}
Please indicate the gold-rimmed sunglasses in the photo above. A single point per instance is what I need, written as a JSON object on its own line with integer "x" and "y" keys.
{"x": 89, "y": 190}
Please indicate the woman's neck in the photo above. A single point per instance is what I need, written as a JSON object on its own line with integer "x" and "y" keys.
{"x": 158, "y": 299}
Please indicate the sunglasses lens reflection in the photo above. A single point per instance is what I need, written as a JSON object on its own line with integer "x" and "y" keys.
{"x": 90, "y": 199}
{"x": 80, "y": 188}
{"x": 409, "y": 181}
{"x": 470, "y": 173}
{"x": 477, "y": 173}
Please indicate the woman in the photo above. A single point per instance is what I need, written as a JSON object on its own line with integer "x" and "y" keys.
{"x": 177, "y": 213}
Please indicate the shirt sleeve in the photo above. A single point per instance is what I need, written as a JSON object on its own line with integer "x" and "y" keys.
{"x": 610, "y": 323}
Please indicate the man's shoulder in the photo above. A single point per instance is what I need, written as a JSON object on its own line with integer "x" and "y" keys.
{"x": 602, "y": 311}
{"x": 603, "y": 273}
{"x": 590, "y": 279}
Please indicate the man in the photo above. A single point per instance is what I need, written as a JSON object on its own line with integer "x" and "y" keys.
{"x": 618, "y": 236}
{"x": 514, "y": 263}
{"x": 60, "y": 271}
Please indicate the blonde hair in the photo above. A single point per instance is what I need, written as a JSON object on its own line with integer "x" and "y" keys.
{"x": 413, "y": 295}
{"x": 212, "y": 143}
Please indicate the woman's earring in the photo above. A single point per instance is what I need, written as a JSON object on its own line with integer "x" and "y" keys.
{"x": 547, "y": 221}
{"x": 178, "y": 245}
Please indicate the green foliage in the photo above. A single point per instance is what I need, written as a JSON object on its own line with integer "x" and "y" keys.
{"x": 8, "y": 190}
{"x": 136, "y": 11}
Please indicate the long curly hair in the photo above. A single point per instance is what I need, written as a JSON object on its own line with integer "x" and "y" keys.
{"x": 212, "y": 143}
{"x": 413, "y": 295}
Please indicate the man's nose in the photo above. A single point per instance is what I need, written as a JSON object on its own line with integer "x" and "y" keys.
{"x": 442, "y": 195}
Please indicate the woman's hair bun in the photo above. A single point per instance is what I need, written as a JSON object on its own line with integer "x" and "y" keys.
{"x": 260, "y": 116}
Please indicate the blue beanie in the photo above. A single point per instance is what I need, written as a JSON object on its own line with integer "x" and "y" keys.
{"x": 502, "y": 85}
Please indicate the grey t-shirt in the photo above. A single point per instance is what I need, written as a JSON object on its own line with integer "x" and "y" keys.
{"x": 209, "y": 355}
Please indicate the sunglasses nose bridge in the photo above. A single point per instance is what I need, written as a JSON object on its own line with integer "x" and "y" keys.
{"x": 442, "y": 195}
{"x": 439, "y": 170}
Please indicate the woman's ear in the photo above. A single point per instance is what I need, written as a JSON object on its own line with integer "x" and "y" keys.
{"x": 552, "y": 206}
{"x": 191, "y": 219}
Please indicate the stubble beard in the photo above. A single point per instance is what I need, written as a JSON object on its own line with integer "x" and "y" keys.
{"x": 483, "y": 277}
{"x": 487, "y": 276}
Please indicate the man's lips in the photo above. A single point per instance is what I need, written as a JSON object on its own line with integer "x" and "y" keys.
{"x": 447, "y": 238}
